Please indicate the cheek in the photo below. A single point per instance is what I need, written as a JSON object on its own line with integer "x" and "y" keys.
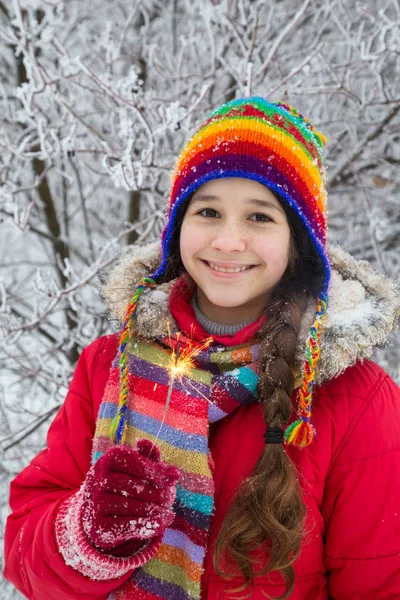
{"x": 190, "y": 242}
{"x": 273, "y": 245}
{"x": 275, "y": 249}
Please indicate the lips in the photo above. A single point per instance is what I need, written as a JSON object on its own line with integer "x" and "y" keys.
{"x": 227, "y": 269}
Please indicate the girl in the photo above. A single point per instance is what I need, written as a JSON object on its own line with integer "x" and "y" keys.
{"x": 210, "y": 477}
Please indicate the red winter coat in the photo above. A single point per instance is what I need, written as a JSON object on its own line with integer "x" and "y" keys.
{"x": 349, "y": 474}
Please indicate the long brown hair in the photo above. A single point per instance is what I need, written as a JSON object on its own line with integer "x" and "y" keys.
{"x": 268, "y": 511}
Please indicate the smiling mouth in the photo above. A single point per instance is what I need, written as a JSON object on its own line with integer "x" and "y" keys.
{"x": 239, "y": 269}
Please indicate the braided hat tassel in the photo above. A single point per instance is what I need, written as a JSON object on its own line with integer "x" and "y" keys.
{"x": 301, "y": 433}
{"x": 118, "y": 429}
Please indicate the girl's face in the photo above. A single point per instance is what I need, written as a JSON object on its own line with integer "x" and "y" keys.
{"x": 234, "y": 243}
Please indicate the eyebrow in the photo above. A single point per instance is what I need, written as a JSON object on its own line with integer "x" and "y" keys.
{"x": 256, "y": 201}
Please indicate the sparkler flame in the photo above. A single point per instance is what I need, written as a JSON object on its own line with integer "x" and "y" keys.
{"x": 182, "y": 360}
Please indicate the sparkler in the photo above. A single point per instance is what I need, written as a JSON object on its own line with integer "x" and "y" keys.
{"x": 180, "y": 364}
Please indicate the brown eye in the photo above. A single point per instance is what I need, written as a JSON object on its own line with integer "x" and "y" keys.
{"x": 208, "y": 212}
{"x": 260, "y": 218}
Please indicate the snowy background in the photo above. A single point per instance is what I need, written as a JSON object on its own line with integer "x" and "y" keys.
{"x": 97, "y": 98}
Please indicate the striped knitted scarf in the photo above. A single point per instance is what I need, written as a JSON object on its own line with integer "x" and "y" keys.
{"x": 215, "y": 383}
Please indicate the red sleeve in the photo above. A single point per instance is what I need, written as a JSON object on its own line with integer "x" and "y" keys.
{"x": 362, "y": 499}
{"x": 33, "y": 563}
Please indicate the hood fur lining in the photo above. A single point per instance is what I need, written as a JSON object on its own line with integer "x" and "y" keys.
{"x": 363, "y": 307}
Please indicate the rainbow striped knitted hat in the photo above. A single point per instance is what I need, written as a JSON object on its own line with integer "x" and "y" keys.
{"x": 255, "y": 139}
{"x": 275, "y": 145}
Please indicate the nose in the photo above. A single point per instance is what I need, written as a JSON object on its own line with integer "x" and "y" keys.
{"x": 229, "y": 238}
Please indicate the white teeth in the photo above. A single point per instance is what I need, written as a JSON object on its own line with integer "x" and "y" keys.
{"x": 237, "y": 270}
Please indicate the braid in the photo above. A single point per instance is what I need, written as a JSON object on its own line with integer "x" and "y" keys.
{"x": 278, "y": 344}
{"x": 268, "y": 508}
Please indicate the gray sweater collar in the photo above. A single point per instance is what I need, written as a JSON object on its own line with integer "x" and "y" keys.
{"x": 216, "y": 328}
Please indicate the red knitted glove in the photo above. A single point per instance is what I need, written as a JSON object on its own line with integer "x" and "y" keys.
{"x": 128, "y": 496}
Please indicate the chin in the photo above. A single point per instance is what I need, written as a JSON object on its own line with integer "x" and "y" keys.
{"x": 224, "y": 302}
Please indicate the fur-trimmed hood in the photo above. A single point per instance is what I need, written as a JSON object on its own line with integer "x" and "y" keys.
{"x": 363, "y": 307}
